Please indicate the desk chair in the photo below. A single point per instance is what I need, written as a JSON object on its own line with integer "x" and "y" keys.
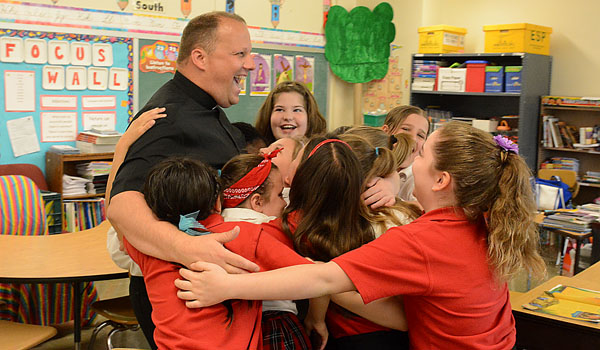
{"x": 22, "y": 213}
{"x": 19, "y": 336}
{"x": 120, "y": 316}
{"x": 567, "y": 176}
{"x": 30, "y": 170}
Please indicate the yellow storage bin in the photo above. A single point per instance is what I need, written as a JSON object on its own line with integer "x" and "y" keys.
{"x": 517, "y": 37}
{"x": 441, "y": 39}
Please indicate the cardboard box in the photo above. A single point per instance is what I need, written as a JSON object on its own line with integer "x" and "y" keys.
{"x": 475, "y": 76}
{"x": 488, "y": 125}
{"x": 517, "y": 37}
{"x": 441, "y": 39}
{"x": 452, "y": 79}
{"x": 374, "y": 120}
{"x": 494, "y": 79}
{"x": 512, "y": 77}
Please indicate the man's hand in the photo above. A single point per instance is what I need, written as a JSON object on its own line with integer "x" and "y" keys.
{"x": 205, "y": 286}
{"x": 382, "y": 191}
{"x": 211, "y": 250}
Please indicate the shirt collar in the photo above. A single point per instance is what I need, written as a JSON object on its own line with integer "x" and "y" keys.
{"x": 245, "y": 214}
{"x": 445, "y": 214}
{"x": 194, "y": 91}
{"x": 212, "y": 220}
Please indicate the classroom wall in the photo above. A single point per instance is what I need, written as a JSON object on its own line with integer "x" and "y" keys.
{"x": 573, "y": 44}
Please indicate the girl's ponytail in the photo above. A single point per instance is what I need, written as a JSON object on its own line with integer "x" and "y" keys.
{"x": 513, "y": 236}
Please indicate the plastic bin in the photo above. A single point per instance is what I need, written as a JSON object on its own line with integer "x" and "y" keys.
{"x": 494, "y": 79}
{"x": 517, "y": 37}
{"x": 53, "y": 208}
{"x": 441, "y": 39}
{"x": 512, "y": 78}
{"x": 475, "y": 76}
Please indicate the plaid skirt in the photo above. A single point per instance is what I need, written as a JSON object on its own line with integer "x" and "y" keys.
{"x": 283, "y": 331}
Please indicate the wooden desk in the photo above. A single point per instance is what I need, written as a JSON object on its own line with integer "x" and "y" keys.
{"x": 592, "y": 273}
{"x": 70, "y": 257}
{"x": 536, "y": 330}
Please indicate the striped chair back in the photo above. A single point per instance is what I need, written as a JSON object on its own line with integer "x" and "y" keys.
{"x": 21, "y": 207}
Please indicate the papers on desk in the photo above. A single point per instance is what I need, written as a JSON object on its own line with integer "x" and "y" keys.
{"x": 570, "y": 302}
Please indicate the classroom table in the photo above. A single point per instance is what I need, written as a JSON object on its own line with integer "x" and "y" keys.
{"x": 537, "y": 330}
{"x": 579, "y": 238}
{"x": 73, "y": 258}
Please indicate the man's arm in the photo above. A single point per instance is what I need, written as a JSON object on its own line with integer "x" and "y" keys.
{"x": 130, "y": 215}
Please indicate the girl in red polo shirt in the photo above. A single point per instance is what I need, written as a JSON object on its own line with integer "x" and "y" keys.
{"x": 451, "y": 264}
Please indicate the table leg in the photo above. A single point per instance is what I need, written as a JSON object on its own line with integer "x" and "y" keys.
{"x": 577, "y": 249}
{"x": 77, "y": 314}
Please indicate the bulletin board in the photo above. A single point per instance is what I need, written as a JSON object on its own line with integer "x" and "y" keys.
{"x": 57, "y": 85}
{"x": 245, "y": 111}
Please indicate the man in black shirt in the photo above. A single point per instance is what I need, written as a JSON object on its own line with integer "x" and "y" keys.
{"x": 214, "y": 57}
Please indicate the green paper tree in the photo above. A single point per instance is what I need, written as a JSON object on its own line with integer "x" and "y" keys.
{"x": 358, "y": 42}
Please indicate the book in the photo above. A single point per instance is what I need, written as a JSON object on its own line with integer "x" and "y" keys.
{"x": 99, "y": 138}
{"x": 567, "y": 141}
{"x": 64, "y": 149}
{"x": 570, "y": 302}
{"x": 555, "y": 132}
{"x": 88, "y": 147}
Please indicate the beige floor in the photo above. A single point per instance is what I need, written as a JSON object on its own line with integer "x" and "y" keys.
{"x": 110, "y": 289}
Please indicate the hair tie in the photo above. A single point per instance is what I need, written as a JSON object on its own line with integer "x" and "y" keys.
{"x": 188, "y": 223}
{"x": 325, "y": 142}
{"x": 377, "y": 151}
{"x": 243, "y": 188}
{"x": 506, "y": 146}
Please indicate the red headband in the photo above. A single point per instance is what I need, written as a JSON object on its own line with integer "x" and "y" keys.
{"x": 239, "y": 191}
{"x": 324, "y": 142}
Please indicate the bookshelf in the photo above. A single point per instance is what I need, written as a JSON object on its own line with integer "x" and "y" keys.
{"x": 59, "y": 164}
{"x": 577, "y": 112}
{"x": 535, "y": 79}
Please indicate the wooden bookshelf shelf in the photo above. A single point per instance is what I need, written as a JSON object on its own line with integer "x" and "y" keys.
{"x": 59, "y": 164}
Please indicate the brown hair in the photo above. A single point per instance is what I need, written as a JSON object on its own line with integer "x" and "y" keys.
{"x": 240, "y": 165}
{"x": 316, "y": 124}
{"x": 323, "y": 181}
{"x": 201, "y": 32}
{"x": 488, "y": 180}
{"x": 379, "y": 162}
{"x": 397, "y": 115}
{"x": 179, "y": 186}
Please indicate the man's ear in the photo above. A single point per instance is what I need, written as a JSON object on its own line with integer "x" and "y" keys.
{"x": 256, "y": 202}
{"x": 443, "y": 181}
{"x": 198, "y": 58}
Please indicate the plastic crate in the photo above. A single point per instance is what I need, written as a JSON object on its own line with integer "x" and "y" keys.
{"x": 517, "y": 37}
{"x": 53, "y": 208}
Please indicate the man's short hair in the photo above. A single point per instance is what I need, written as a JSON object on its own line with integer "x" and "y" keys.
{"x": 201, "y": 31}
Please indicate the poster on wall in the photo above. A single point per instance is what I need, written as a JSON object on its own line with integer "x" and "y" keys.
{"x": 283, "y": 68}
{"x": 52, "y": 78}
{"x": 159, "y": 57}
{"x": 260, "y": 77}
{"x": 305, "y": 68}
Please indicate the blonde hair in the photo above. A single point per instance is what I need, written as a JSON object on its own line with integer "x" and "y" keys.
{"x": 397, "y": 115}
{"x": 315, "y": 123}
{"x": 402, "y": 145}
{"x": 489, "y": 180}
{"x": 379, "y": 162}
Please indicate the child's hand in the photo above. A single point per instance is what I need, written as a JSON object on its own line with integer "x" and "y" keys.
{"x": 140, "y": 125}
{"x": 317, "y": 332}
{"x": 205, "y": 286}
{"x": 381, "y": 191}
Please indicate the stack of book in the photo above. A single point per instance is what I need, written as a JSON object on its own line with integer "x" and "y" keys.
{"x": 565, "y": 163}
{"x": 424, "y": 74}
{"x": 591, "y": 177}
{"x": 97, "y": 141}
{"x": 64, "y": 149}
{"x": 578, "y": 220}
{"x": 81, "y": 215}
{"x": 97, "y": 172}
